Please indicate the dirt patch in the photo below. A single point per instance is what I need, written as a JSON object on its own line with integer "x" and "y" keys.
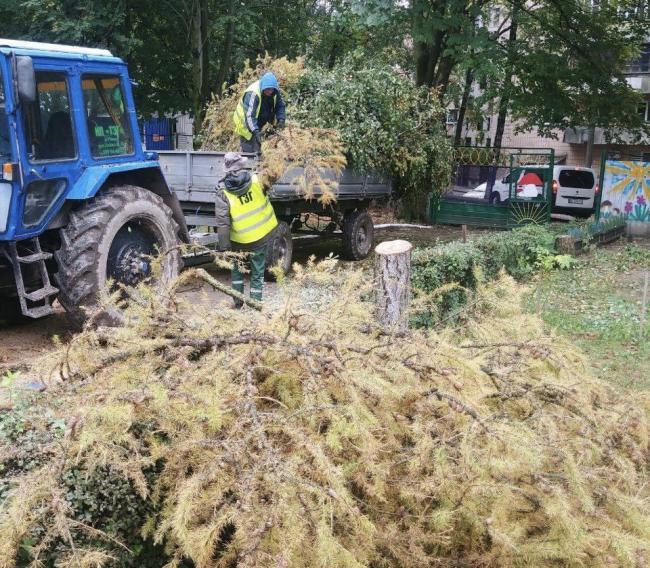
{"x": 24, "y": 342}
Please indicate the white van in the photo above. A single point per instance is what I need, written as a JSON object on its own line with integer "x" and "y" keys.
{"x": 574, "y": 190}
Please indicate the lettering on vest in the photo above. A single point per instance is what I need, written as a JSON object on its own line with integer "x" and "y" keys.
{"x": 246, "y": 197}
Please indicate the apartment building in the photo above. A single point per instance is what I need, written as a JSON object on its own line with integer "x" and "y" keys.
{"x": 570, "y": 145}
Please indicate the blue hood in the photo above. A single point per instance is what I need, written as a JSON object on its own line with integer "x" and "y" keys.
{"x": 268, "y": 81}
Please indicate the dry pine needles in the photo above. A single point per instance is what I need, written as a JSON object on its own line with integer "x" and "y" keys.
{"x": 312, "y": 158}
{"x": 307, "y": 437}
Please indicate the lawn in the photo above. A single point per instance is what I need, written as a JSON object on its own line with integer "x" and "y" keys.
{"x": 598, "y": 304}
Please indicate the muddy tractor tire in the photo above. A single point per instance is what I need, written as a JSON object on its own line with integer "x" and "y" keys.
{"x": 279, "y": 250}
{"x": 358, "y": 235}
{"x": 114, "y": 236}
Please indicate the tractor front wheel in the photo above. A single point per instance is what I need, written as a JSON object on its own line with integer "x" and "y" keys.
{"x": 114, "y": 236}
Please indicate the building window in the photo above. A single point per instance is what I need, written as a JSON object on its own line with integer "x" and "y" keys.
{"x": 494, "y": 18}
{"x": 452, "y": 116}
{"x": 644, "y": 111}
{"x": 642, "y": 63}
{"x": 488, "y": 142}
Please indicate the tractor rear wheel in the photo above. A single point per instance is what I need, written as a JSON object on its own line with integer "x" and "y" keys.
{"x": 114, "y": 236}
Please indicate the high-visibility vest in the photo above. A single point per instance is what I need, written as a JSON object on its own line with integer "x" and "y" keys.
{"x": 251, "y": 213}
{"x": 239, "y": 116}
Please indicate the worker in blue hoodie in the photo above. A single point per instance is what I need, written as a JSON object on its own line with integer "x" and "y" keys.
{"x": 261, "y": 104}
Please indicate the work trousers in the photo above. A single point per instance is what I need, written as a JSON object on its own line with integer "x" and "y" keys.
{"x": 257, "y": 262}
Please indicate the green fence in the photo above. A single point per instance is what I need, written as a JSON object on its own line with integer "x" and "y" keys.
{"x": 493, "y": 188}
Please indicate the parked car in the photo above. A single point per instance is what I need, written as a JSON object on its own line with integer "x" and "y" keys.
{"x": 528, "y": 184}
{"x": 574, "y": 188}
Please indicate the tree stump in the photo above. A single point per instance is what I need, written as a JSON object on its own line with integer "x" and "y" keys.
{"x": 566, "y": 244}
{"x": 393, "y": 284}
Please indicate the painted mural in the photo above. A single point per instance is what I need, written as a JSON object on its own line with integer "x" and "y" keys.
{"x": 626, "y": 190}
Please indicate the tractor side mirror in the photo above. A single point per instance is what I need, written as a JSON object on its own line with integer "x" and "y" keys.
{"x": 25, "y": 79}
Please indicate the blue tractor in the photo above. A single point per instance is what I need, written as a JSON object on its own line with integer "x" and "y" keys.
{"x": 80, "y": 201}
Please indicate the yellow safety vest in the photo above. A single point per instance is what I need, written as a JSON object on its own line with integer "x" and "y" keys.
{"x": 251, "y": 213}
{"x": 239, "y": 116}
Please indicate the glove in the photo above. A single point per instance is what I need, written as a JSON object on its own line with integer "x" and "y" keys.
{"x": 257, "y": 136}
{"x": 224, "y": 238}
{"x": 281, "y": 124}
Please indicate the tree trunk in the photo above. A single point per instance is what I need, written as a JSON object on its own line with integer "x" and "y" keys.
{"x": 393, "y": 284}
{"x": 200, "y": 63}
{"x": 467, "y": 89}
{"x": 504, "y": 102}
{"x": 445, "y": 67}
{"x": 227, "y": 50}
{"x": 589, "y": 157}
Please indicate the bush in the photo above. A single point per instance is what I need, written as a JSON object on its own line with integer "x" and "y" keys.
{"x": 100, "y": 497}
{"x": 448, "y": 273}
{"x": 387, "y": 124}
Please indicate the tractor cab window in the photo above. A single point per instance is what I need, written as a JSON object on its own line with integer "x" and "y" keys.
{"x": 109, "y": 129}
{"x": 5, "y": 142}
{"x": 48, "y": 123}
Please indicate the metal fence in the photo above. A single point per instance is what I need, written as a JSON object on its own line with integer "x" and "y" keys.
{"x": 496, "y": 188}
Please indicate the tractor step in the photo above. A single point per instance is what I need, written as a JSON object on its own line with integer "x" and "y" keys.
{"x": 39, "y": 312}
{"x": 38, "y": 278}
{"x": 36, "y": 257}
{"x": 41, "y": 293}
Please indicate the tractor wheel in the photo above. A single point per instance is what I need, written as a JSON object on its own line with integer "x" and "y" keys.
{"x": 358, "y": 235}
{"x": 113, "y": 236}
{"x": 279, "y": 250}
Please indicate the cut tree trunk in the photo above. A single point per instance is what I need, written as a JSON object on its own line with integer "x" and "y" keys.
{"x": 393, "y": 284}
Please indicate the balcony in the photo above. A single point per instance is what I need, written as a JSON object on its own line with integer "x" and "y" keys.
{"x": 639, "y": 83}
{"x": 581, "y": 136}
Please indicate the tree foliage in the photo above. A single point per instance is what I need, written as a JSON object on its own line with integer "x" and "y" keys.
{"x": 386, "y": 125}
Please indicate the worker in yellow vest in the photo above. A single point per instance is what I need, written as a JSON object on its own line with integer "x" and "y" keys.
{"x": 262, "y": 103}
{"x": 245, "y": 221}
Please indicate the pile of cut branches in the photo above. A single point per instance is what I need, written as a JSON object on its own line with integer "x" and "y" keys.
{"x": 308, "y": 437}
{"x": 363, "y": 110}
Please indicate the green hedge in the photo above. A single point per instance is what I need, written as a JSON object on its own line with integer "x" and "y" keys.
{"x": 520, "y": 252}
{"x": 103, "y": 500}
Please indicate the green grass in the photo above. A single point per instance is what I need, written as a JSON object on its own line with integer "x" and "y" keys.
{"x": 598, "y": 306}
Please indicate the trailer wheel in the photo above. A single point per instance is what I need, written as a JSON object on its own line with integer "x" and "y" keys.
{"x": 279, "y": 250}
{"x": 358, "y": 235}
{"x": 113, "y": 236}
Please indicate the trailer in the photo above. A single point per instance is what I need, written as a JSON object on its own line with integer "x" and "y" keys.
{"x": 193, "y": 177}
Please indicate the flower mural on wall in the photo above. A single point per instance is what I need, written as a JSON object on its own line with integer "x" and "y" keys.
{"x": 626, "y": 187}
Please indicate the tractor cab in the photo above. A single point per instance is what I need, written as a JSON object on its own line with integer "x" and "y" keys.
{"x": 81, "y": 203}
{"x": 64, "y": 109}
